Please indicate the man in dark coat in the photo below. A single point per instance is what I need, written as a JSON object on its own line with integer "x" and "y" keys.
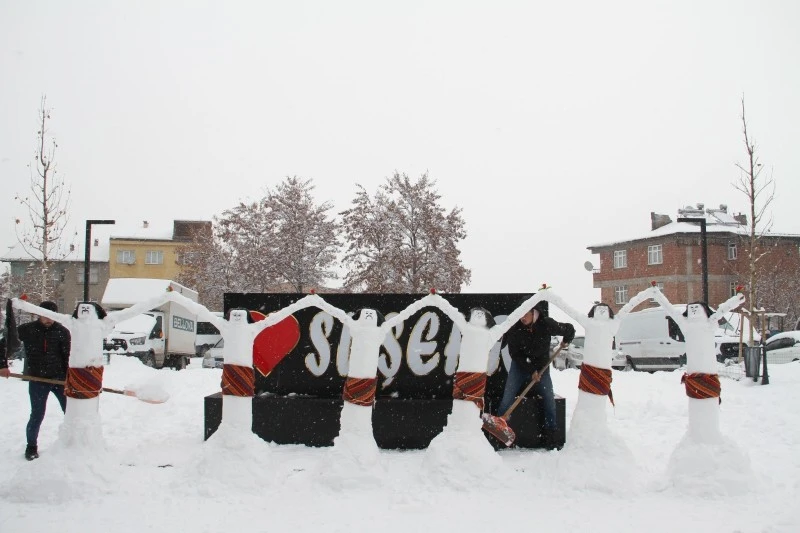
{"x": 47, "y": 345}
{"x": 528, "y": 344}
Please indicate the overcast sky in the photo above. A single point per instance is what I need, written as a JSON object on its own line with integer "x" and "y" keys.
{"x": 553, "y": 125}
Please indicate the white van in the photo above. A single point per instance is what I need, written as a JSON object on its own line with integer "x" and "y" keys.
{"x": 651, "y": 340}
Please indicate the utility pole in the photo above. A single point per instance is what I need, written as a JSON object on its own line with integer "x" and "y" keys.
{"x": 87, "y": 254}
{"x": 704, "y": 246}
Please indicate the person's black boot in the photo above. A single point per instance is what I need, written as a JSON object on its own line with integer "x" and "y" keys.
{"x": 31, "y": 452}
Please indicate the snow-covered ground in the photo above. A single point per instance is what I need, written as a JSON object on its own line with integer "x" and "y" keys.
{"x": 208, "y": 487}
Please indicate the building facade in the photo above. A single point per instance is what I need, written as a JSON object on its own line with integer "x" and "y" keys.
{"x": 146, "y": 252}
{"x": 140, "y": 251}
{"x": 671, "y": 256}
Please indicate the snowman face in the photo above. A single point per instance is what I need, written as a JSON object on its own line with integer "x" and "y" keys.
{"x": 601, "y": 313}
{"x": 696, "y": 312}
{"x": 239, "y": 316}
{"x": 368, "y": 317}
{"x": 477, "y": 318}
{"x": 85, "y": 312}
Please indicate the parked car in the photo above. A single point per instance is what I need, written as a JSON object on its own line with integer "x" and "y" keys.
{"x": 783, "y": 347}
{"x": 213, "y": 357}
{"x": 572, "y": 356}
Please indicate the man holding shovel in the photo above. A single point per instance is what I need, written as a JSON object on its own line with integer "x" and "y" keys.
{"x": 47, "y": 345}
{"x": 529, "y": 346}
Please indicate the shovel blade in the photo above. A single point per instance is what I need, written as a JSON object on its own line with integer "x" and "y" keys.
{"x": 498, "y": 428}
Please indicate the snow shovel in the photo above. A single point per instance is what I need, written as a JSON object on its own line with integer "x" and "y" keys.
{"x": 497, "y": 426}
{"x": 105, "y": 389}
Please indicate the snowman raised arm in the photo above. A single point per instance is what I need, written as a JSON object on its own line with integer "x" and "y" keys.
{"x": 601, "y": 325}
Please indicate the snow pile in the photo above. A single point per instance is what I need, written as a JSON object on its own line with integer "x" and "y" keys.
{"x": 460, "y": 456}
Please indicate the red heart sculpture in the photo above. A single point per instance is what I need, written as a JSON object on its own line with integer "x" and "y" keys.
{"x": 274, "y": 343}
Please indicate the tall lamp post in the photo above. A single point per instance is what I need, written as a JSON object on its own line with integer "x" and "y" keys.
{"x": 704, "y": 246}
{"x": 87, "y": 254}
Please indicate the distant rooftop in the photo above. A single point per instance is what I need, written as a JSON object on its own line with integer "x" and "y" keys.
{"x": 73, "y": 246}
{"x": 718, "y": 220}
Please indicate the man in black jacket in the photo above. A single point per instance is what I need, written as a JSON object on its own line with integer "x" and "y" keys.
{"x": 529, "y": 346}
{"x": 47, "y": 345}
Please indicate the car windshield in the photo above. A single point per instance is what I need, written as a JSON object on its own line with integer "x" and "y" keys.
{"x": 220, "y": 343}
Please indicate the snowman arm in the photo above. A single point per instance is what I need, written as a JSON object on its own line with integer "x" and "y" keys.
{"x": 676, "y": 315}
{"x": 335, "y": 312}
{"x": 427, "y": 301}
{"x": 115, "y": 317}
{"x": 498, "y": 330}
{"x": 197, "y": 309}
{"x": 41, "y": 311}
{"x": 727, "y": 306}
{"x": 554, "y": 298}
{"x": 448, "y": 309}
{"x": 310, "y": 300}
{"x": 636, "y": 300}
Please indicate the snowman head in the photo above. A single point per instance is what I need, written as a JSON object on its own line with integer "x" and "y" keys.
{"x": 478, "y": 316}
{"x": 239, "y": 317}
{"x": 601, "y": 312}
{"x": 368, "y": 317}
{"x": 697, "y": 311}
{"x": 88, "y": 311}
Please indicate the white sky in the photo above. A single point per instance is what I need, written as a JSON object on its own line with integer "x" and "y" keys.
{"x": 553, "y": 126}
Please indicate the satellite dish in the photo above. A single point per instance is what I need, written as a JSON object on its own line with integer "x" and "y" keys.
{"x": 588, "y": 266}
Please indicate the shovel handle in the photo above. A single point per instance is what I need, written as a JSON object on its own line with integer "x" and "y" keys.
{"x": 536, "y": 377}
{"x": 60, "y": 382}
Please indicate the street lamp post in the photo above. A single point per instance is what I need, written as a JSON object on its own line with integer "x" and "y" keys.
{"x": 87, "y": 254}
{"x": 704, "y": 246}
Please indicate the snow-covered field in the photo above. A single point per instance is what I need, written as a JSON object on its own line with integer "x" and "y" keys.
{"x": 209, "y": 488}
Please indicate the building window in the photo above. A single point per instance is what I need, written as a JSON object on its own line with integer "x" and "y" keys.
{"x": 126, "y": 257}
{"x": 620, "y": 258}
{"x": 93, "y": 275}
{"x": 732, "y": 251}
{"x": 732, "y": 290}
{"x": 654, "y": 255}
{"x": 621, "y": 295}
{"x": 59, "y": 275}
{"x": 660, "y": 285}
{"x": 154, "y": 257}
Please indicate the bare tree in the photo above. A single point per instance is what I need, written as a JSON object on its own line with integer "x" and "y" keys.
{"x": 402, "y": 240}
{"x": 47, "y": 203}
{"x": 760, "y": 192}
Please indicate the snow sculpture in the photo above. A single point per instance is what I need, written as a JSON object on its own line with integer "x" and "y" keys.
{"x": 704, "y": 460}
{"x": 238, "y": 377}
{"x": 462, "y": 437}
{"x": 368, "y": 331}
{"x": 88, "y": 326}
{"x": 589, "y": 425}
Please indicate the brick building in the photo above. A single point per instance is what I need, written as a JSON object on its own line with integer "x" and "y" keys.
{"x": 671, "y": 255}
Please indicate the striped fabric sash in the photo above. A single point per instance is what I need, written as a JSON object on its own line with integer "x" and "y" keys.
{"x": 238, "y": 380}
{"x": 596, "y": 381}
{"x": 470, "y": 386}
{"x": 360, "y": 391}
{"x": 702, "y": 386}
{"x": 84, "y": 383}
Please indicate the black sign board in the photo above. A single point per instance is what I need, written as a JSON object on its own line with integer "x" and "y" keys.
{"x": 418, "y": 360}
